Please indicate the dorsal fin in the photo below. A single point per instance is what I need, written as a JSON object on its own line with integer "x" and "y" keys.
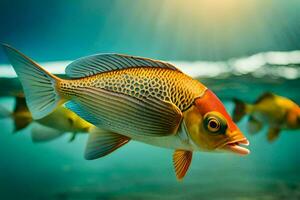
{"x": 266, "y": 95}
{"x": 95, "y": 64}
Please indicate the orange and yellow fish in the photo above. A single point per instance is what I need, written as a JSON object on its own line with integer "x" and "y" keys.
{"x": 133, "y": 98}
{"x": 269, "y": 109}
{"x": 52, "y": 126}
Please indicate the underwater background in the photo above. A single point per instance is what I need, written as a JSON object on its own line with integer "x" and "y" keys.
{"x": 236, "y": 48}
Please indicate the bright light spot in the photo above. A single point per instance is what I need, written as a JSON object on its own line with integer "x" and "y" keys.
{"x": 57, "y": 67}
{"x": 250, "y": 64}
{"x": 202, "y": 69}
{"x": 288, "y": 72}
{"x": 283, "y": 58}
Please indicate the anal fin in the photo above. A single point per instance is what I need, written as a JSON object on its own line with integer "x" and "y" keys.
{"x": 273, "y": 133}
{"x": 102, "y": 143}
{"x": 182, "y": 160}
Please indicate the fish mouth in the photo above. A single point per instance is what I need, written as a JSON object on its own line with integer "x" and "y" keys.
{"x": 237, "y": 147}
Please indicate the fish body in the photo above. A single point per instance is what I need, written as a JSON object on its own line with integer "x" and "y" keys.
{"x": 277, "y": 112}
{"x": 65, "y": 120}
{"x": 142, "y": 83}
{"x": 133, "y": 98}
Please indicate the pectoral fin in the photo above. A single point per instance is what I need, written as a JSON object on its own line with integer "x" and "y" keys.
{"x": 254, "y": 126}
{"x": 101, "y": 143}
{"x": 273, "y": 133}
{"x": 182, "y": 160}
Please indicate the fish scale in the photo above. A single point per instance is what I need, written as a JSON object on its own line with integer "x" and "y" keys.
{"x": 162, "y": 84}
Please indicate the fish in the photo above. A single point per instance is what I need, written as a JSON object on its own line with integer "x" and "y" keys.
{"x": 133, "y": 98}
{"x": 271, "y": 110}
{"x": 20, "y": 115}
{"x": 50, "y": 127}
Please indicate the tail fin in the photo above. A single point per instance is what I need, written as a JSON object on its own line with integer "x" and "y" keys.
{"x": 39, "y": 85}
{"x": 21, "y": 123}
{"x": 239, "y": 111}
{"x": 20, "y": 105}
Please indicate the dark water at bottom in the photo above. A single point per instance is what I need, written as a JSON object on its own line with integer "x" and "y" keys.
{"x": 57, "y": 170}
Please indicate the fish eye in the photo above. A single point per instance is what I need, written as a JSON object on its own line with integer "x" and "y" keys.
{"x": 214, "y": 124}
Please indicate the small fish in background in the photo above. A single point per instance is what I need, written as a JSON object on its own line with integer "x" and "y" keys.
{"x": 279, "y": 113}
{"x": 50, "y": 127}
{"x": 136, "y": 98}
{"x": 20, "y": 115}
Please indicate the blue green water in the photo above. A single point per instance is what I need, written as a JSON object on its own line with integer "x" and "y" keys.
{"x": 213, "y": 34}
{"x": 57, "y": 169}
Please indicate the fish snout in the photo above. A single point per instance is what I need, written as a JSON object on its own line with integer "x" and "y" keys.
{"x": 237, "y": 144}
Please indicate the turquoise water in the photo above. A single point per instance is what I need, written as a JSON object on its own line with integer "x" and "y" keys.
{"x": 57, "y": 169}
{"x": 215, "y": 35}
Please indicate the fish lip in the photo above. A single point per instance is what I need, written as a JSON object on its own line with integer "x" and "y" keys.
{"x": 235, "y": 146}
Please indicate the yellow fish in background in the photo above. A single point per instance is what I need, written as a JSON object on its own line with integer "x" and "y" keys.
{"x": 20, "y": 115}
{"x": 54, "y": 125}
{"x": 269, "y": 109}
{"x": 133, "y": 98}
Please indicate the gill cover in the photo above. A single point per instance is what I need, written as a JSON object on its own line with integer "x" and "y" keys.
{"x": 210, "y": 105}
{"x": 211, "y": 127}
